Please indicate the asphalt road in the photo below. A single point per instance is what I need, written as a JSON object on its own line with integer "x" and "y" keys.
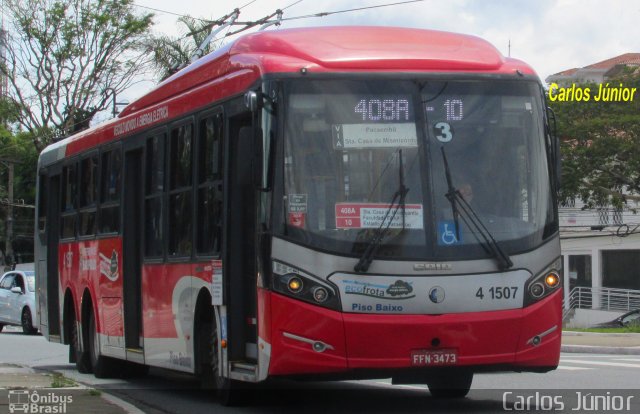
{"x": 581, "y": 382}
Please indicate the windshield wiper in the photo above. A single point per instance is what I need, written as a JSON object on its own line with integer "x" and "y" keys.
{"x": 397, "y": 203}
{"x": 471, "y": 219}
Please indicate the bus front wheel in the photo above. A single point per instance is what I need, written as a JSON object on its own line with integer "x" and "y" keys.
{"x": 451, "y": 384}
{"x": 227, "y": 389}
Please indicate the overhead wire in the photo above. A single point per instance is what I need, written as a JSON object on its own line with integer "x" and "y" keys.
{"x": 323, "y": 14}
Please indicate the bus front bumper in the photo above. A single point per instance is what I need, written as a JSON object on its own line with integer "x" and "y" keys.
{"x": 307, "y": 339}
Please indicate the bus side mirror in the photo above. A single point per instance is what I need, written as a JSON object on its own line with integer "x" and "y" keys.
{"x": 252, "y": 101}
{"x": 259, "y": 147}
{"x": 555, "y": 142}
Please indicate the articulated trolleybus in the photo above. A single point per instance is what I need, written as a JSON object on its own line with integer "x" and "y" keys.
{"x": 338, "y": 202}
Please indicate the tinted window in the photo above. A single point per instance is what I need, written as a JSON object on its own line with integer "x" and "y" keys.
{"x": 69, "y": 202}
{"x": 154, "y": 200}
{"x": 209, "y": 194}
{"x": 180, "y": 198}
{"x": 181, "y": 144}
{"x": 155, "y": 164}
{"x": 89, "y": 181}
{"x": 69, "y": 188}
{"x": 111, "y": 171}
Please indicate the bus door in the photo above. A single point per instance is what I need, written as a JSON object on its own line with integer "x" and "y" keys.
{"x": 132, "y": 249}
{"x": 240, "y": 251}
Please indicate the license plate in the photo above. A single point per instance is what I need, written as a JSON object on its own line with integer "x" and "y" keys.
{"x": 430, "y": 357}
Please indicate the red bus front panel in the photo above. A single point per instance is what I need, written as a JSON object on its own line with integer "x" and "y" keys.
{"x": 370, "y": 341}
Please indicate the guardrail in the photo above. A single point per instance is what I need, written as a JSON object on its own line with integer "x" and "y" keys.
{"x": 609, "y": 299}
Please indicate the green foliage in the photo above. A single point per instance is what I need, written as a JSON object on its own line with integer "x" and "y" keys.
{"x": 170, "y": 53}
{"x": 60, "y": 381}
{"x": 63, "y": 56}
{"x": 600, "y": 146}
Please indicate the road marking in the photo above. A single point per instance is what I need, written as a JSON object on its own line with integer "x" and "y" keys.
{"x": 628, "y": 359}
{"x": 411, "y": 387}
{"x": 607, "y": 364}
{"x": 568, "y": 368}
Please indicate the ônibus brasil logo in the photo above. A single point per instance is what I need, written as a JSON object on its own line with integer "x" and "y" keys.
{"x": 25, "y": 401}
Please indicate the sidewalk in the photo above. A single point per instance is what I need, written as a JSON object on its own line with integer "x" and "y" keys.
{"x": 22, "y": 386}
{"x": 601, "y": 343}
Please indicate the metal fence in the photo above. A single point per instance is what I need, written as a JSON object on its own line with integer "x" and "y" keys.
{"x": 609, "y": 299}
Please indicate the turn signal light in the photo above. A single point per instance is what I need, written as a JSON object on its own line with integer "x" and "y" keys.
{"x": 552, "y": 280}
{"x": 295, "y": 285}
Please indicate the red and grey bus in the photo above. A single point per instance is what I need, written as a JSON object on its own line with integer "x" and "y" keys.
{"x": 339, "y": 202}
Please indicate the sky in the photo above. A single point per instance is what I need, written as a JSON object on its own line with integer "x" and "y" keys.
{"x": 550, "y": 35}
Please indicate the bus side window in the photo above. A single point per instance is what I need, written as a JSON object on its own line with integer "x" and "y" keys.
{"x": 154, "y": 197}
{"x": 209, "y": 195}
{"x": 180, "y": 191}
{"x": 88, "y": 195}
{"x": 42, "y": 205}
{"x": 111, "y": 168}
{"x": 69, "y": 202}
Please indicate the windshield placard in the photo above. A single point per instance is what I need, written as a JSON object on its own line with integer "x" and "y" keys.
{"x": 389, "y": 135}
{"x": 371, "y": 216}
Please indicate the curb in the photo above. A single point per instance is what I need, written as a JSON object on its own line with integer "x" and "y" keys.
{"x": 601, "y": 334}
{"x": 129, "y": 408}
{"x": 104, "y": 394}
{"x": 590, "y": 349}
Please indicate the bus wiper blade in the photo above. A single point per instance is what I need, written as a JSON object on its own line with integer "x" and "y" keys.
{"x": 451, "y": 194}
{"x": 471, "y": 219}
{"x": 380, "y": 233}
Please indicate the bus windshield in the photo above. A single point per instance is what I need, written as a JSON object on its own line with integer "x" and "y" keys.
{"x": 353, "y": 147}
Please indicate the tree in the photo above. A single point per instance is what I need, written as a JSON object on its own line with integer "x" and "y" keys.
{"x": 170, "y": 53}
{"x": 17, "y": 149}
{"x": 63, "y": 56}
{"x": 600, "y": 147}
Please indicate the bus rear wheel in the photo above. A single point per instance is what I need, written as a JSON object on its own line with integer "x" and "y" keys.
{"x": 103, "y": 367}
{"x": 81, "y": 358}
{"x": 450, "y": 384}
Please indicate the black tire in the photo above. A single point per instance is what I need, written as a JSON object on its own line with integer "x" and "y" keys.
{"x": 1, "y": 327}
{"x": 450, "y": 384}
{"x": 103, "y": 367}
{"x": 83, "y": 364}
{"x": 27, "y": 322}
{"x": 230, "y": 392}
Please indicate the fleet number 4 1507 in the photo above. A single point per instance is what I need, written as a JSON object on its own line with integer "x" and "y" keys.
{"x": 497, "y": 292}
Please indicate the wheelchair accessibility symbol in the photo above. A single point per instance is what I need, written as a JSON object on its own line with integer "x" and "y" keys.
{"x": 447, "y": 233}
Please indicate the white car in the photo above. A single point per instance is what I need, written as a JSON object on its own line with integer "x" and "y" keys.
{"x": 18, "y": 300}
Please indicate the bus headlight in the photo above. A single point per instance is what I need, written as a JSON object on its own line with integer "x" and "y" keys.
{"x": 301, "y": 285}
{"x": 543, "y": 284}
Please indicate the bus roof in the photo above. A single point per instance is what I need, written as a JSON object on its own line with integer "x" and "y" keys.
{"x": 320, "y": 49}
{"x": 341, "y": 49}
